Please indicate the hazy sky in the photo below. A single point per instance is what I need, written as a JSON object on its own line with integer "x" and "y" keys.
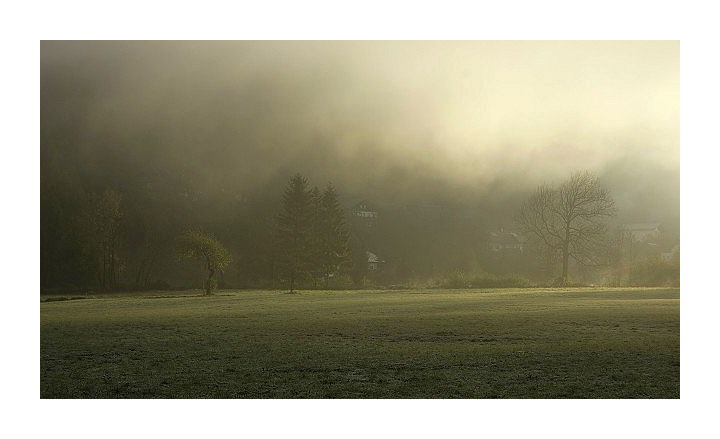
{"x": 464, "y": 114}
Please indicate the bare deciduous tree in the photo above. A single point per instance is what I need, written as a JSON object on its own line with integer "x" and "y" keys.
{"x": 569, "y": 219}
{"x": 102, "y": 222}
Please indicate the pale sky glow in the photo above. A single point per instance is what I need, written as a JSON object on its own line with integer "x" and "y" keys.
{"x": 595, "y": 100}
{"x": 464, "y": 113}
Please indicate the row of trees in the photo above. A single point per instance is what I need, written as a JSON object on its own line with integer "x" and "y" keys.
{"x": 113, "y": 246}
{"x": 312, "y": 240}
{"x": 102, "y": 220}
{"x": 565, "y": 221}
{"x": 133, "y": 239}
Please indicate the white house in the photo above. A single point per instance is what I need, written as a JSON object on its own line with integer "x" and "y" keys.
{"x": 373, "y": 262}
{"x": 502, "y": 241}
{"x": 671, "y": 255}
{"x": 643, "y": 232}
{"x": 363, "y": 210}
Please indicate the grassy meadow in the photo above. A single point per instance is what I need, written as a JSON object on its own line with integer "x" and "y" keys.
{"x": 505, "y": 343}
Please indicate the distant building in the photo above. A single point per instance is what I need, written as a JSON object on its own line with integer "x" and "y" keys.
{"x": 643, "y": 232}
{"x": 671, "y": 256}
{"x": 373, "y": 262}
{"x": 503, "y": 241}
{"x": 364, "y": 210}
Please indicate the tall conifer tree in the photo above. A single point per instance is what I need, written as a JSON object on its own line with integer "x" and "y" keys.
{"x": 316, "y": 271}
{"x": 333, "y": 254}
{"x": 294, "y": 231}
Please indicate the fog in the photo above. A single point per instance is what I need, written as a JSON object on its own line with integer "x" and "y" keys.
{"x": 466, "y": 125}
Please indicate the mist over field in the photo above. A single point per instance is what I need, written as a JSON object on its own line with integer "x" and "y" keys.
{"x": 451, "y": 134}
{"x": 359, "y": 219}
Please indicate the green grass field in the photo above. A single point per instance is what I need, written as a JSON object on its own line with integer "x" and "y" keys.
{"x": 576, "y": 343}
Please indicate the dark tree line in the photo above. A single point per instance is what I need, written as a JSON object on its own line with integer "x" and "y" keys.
{"x": 126, "y": 236}
{"x": 103, "y": 223}
{"x": 312, "y": 240}
{"x": 111, "y": 240}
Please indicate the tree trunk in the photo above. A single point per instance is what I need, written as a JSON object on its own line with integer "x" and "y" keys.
{"x": 292, "y": 281}
{"x": 111, "y": 282}
{"x": 566, "y": 253}
{"x": 566, "y": 259}
{"x": 149, "y": 267}
{"x": 140, "y": 274}
{"x": 272, "y": 274}
{"x": 208, "y": 287}
{"x": 105, "y": 268}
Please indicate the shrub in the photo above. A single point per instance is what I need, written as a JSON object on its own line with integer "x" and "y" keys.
{"x": 649, "y": 273}
{"x": 481, "y": 279}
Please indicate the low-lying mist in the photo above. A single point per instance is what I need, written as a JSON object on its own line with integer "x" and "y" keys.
{"x": 463, "y": 129}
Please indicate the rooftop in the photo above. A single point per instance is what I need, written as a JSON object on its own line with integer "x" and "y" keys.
{"x": 641, "y": 226}
{"x": 503, "y": 237}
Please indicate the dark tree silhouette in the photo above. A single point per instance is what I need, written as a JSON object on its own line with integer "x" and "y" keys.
{"x": 208, "y": 250}
{"x": 101, "y": 222}
{"x": 295, "y": 231}
{"x": 333, "y": 254}
{"x": 568, "y": 219}
{"x": 316, "y": 233}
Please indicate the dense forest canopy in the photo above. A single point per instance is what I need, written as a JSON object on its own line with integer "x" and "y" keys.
{"x": 444, "y": 140}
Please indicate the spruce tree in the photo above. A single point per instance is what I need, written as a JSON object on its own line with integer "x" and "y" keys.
{"x": 314, "y": 265}
{"x": 294, "y": 231}
{"x": 332, "y": 253}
